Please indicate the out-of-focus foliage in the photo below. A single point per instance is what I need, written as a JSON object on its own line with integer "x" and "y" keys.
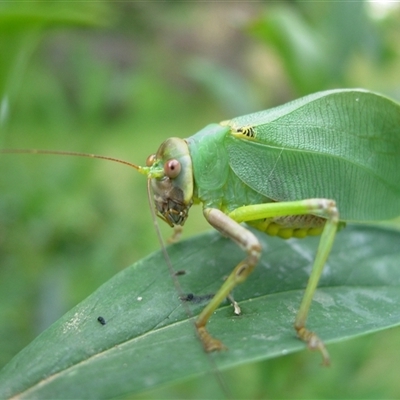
{"x": 119, "y": 77}
{"x": 22, "y": 27}
{"x": 317, "y": 49}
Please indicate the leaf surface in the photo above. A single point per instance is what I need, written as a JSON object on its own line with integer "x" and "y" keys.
{"x": 148, "y": 340}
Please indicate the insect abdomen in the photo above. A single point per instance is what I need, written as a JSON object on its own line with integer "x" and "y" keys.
{"x": 298, "y": 226}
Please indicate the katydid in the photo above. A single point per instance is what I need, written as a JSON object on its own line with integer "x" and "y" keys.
{"x": 304, "y": 168}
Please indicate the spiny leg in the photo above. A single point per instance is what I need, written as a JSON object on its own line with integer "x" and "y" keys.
{"x": 321, "y": 207}
{"x": 248, "y": 242}
{"x": 324, "y": 248}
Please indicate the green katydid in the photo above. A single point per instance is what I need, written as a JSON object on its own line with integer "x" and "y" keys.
{"x": 304, "y": 168}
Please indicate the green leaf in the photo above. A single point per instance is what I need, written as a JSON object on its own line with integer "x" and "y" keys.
{"x": 148, "y": 339}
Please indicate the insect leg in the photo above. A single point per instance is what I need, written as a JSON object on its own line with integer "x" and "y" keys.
{"x": 176, "y": 235}
{"x": 321, "y": 207}
{"x": 324, "y": 248}
{"x": 248, "y": 242}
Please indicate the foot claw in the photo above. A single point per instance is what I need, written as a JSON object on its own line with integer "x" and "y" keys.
{"x": 314, "y": 343}
{"x": 209, "y": 343}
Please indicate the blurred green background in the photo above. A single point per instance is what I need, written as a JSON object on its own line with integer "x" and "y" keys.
{"x": 119, "y": 78}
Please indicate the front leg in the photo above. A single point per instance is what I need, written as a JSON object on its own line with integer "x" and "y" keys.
{"x": 249, "y": 243}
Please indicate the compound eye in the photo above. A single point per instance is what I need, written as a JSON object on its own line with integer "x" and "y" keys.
{"x": 172, "y": 168}
{"x": 150, "y": 160}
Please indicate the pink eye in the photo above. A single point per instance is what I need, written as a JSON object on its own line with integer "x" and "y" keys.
{"x": 150, "y": 160}
{"x": 172, "y": 168}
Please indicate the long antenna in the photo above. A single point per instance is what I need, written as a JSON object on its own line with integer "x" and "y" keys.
{"x": 69, "y": 153}
{"x": 142, "y": 170}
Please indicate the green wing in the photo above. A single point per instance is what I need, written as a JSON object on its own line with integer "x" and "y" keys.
{"x": 339, "y": 144}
